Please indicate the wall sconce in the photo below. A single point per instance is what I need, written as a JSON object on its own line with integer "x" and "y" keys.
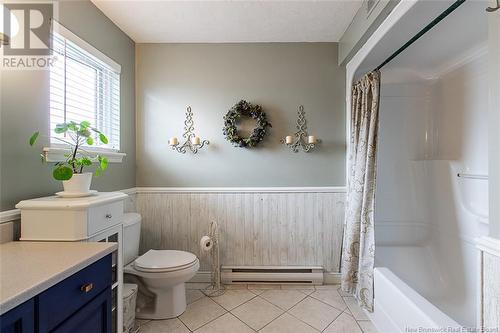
{"x": 193, "y": 143}
{"x": 302, "y": 140}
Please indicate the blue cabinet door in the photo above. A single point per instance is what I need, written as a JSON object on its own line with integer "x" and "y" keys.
{"x": 21, "y": 319}
{"x": 94, "y": 317}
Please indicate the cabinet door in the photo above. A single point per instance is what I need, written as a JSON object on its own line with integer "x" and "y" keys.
{"x": 94, "y": 317}
{"x": 21, "y": 319}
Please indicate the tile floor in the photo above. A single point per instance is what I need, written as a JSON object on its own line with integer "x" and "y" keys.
{"x": 266, "y": 309}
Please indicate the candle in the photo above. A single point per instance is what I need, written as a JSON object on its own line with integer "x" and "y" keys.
{"x": 289, "y": 139}
{"x": 311, "y": 139}
{"x": 195, "y": 141}
{"x": 173, "y": 141}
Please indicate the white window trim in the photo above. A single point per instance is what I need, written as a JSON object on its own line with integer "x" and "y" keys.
{"x": 61, "y": 30}
{"x": 56, "y": 152}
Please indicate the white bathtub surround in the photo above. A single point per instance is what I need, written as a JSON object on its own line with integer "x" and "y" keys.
{"x": 358, "y": 248}
{"x": 489, "y": 316}
{"x": 433, "y": 125}
{"x": 258, "y": 226}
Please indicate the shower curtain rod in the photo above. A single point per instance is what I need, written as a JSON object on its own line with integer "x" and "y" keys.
{"x": 428, "y": 27}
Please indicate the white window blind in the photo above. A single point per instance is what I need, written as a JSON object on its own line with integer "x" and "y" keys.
{"x": 84, "y": 85}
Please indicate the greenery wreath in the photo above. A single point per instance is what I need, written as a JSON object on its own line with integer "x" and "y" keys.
{"x": 245, "y": 109}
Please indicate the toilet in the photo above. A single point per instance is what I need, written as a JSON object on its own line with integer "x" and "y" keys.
{"x": 160, "y": 274}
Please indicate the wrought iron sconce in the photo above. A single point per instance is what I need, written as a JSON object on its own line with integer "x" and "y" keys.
{"x": 302, "y": 140}
{"x": 193, "y": 143}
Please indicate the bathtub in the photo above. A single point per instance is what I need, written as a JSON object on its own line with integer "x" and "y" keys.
{"x": 399, "y": 308}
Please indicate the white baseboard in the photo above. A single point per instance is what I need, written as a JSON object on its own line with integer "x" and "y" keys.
{"x": 331, "y": 278}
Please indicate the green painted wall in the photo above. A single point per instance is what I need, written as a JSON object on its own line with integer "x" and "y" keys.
{"x": 24, "y": 108}
{"x": 212, "y": 78}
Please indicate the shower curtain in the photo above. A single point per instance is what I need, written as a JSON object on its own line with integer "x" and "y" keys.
{"x": 358, "y": 248}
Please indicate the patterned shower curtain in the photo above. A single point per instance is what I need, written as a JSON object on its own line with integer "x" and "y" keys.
{"x": 358, "y": 248}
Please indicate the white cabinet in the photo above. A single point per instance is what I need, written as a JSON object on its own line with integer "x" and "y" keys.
{"x": 70, "y": 219}
{"x": 96, "y": 218}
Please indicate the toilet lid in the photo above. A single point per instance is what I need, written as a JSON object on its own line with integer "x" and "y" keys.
{"x": 162, "y": 260}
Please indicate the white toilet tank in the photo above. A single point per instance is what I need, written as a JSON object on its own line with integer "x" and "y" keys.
{"x": 131, "y": 237}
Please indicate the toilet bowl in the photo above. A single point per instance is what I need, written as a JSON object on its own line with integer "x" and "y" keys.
{"x": 160, "y": 275}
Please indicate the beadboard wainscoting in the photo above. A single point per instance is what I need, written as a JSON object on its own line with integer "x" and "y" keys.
{"x": 489, "y": 316}
{"x": 268, "y": 226}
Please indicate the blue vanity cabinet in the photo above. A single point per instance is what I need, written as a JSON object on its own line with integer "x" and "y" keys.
{"x": 94, "y": 317}
{"x": 79, "y": 303}
{"x": 21, "y": 319}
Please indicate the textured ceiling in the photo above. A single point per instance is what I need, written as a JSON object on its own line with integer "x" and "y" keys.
{"x": 230, "y": 21}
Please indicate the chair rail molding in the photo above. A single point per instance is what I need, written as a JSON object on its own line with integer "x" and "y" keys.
{"x": 489, "y": 245}
{"x": 10, "y": 215}
{"x": 322, "y": 189}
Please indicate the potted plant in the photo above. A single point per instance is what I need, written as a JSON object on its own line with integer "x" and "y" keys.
{"x": 71, "y": 170}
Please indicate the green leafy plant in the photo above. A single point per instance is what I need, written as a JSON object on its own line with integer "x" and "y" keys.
{"x": 76, "y": 136}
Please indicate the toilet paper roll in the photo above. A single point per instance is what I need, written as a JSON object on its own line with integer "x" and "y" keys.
{"x": 206, "y": 243}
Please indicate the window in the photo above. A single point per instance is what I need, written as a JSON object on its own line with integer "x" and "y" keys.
{"x": 84, "y": 85}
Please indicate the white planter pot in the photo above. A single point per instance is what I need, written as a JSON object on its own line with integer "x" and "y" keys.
{"x": 79, "y": 183}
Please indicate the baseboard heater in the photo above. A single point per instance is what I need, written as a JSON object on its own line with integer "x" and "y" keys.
{"x": 312, "y": 275}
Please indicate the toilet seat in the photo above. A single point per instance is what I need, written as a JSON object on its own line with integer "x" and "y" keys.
{"x": 165, "y": 261}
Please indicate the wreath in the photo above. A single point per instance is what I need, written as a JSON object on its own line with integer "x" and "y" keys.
{"x": 245, "y": 109}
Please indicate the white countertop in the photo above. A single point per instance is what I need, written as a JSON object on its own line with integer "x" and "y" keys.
{"x": 28, "y": 268}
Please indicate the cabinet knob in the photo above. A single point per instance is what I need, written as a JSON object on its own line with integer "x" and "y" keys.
{"x": 87, "y": 287}
{"x": 108, "y": 216}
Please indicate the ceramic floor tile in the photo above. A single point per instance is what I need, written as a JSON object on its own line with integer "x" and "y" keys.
{"x": 287, "y": 324}
{"x": 315, "y": 313}
{"x": 233, "y": 298}
{"x": 257, "y": 313}
{"x": 263, "y": 286}
{"x": 140, "y": 322}
{"x": 225, "y": 324}
{"x": 343, "y": 324}
{"x": 235, "y": 286}
{"x": 285, "y": 299}
{"x": 193, "y": 295}
{"x": 303, "y": 288}
{"x": 327, "y": 286}
{"x": 367, "y": 326}
{"x": 196, "y": 285}
{"x": 201, "y": 312}
{"x": 354, "y": 308}
{"x": 330, "y": 297}
{"x": 348, "y": 312}
{"x": 297, "y": 286}
{"x": 343, "y": 293}
{"x": 164, "y": 326}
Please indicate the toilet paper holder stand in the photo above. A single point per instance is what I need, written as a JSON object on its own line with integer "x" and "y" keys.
{"x": 215, "y": 288}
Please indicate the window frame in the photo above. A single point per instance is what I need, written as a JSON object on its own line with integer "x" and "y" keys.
{"x": 55, "y": 152}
